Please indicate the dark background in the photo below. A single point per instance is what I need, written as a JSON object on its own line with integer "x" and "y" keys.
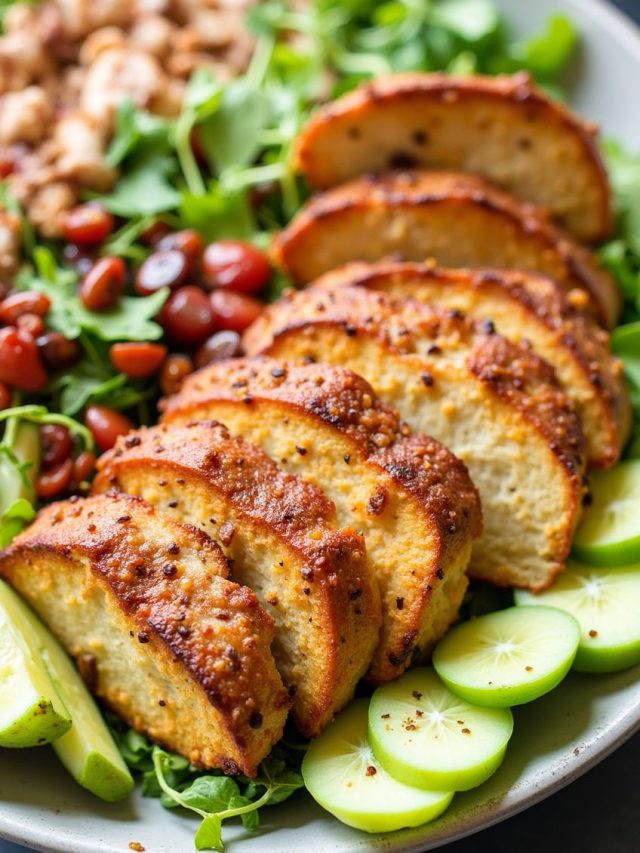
{"x": 600, "y": 813}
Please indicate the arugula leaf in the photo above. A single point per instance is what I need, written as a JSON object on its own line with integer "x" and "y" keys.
{"x": 131, "y": 319}
{"x": 470, "y": 20}
{"x": 231, "y": 135}
{"x": 145, "y": 189}
{"x": 215, "y": 797}
{"x": 546, "y": 54}
{"x": 624, "y": 265}
{"x": 134, "y": 128}
{"x": 218, "y": 214}
{"x": 624, "y": 174}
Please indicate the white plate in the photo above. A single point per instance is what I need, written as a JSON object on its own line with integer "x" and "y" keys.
{"x": 556, "y": 739}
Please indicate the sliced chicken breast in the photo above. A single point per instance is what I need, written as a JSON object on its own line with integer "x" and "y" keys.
{"x": 493, "y": 403}
{"x": 279, "y": 535}
{"x": 456, "y": 218}
{"x": 144, "y": 604}
{"x": 526, "y": 308}
{"x": 503, "y": 128}
{"x": 411, "y": 498}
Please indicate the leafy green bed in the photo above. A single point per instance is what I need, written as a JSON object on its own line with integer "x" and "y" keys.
{"x": 242, "y": 185}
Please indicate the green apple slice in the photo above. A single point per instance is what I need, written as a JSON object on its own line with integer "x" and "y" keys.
{"x": 609, "y": 532}
{"x": 343, "y": 776}
{"x": 31, "y": 712}
{"x": 606, "y": 603}
{"x": 87, "y": 749}
{"x": 425, "y": 735}
{"x": 508, "y": 657}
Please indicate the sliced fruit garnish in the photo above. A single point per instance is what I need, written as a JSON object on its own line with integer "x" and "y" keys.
{"x": 609, "y": 532}
{"x": 508, "y": 657}
{"x": 86, "y": 748}
{"x": 342, "y": 775}
{"x": 606, "y": 603}
{"x": 31, "y": 712}
{"x": 425, "y": 735}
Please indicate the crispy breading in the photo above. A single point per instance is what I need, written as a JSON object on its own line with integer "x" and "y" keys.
{"x": 503, "y": 128}
{"x": 457, "y": 218}
{"x": 280, "y": 537}
{"x": 493, "y": 403}
{"x": 412, "y": 499}
{"x": 527, "y": 308}
{"x": 178, "y": 650}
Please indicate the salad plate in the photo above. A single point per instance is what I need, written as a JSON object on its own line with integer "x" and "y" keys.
{"x": 556, "y": 739}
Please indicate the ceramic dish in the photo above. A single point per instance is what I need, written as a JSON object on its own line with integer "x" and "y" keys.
{"x": 556, "y": 738}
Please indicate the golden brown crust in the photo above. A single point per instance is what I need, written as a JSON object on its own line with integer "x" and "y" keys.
{"x": 418, "y": 193}
{"x": 324, "y": 566}
{"x": 504, "y": 111}
{"x": 216, "y": 631}
{"x": 508, "y": 370}
{"x": 494, "y": 403}
{"x": 348, "y": 403}
{"x": 540, "y": 300}
{"x": 312, "y": 403}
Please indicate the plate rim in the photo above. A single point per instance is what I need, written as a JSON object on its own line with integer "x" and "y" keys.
{"x": 627, "y": 31}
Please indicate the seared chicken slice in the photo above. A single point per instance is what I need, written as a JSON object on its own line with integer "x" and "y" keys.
{"x": 164, "y": 638}
{"x": 503, "y": 128}
{"x": 279, "y": 534}
{"x": 411, "y": 498}
{"x": 456, "y": 218}
{"x": 526, "y": 308}
{"x": 493, "y": 403}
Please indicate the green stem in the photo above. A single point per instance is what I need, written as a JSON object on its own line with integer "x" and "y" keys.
{"x": 254, "y": 175}
{"x": 168, "y": 790}
{"x": 186, "y": 158}
{"x": 260, "y": 61}
{"x": 250, "y": 807}
{"x": 41, "y": 415}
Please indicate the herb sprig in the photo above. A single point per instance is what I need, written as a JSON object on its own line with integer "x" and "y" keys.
{"x": 211, "y": 795}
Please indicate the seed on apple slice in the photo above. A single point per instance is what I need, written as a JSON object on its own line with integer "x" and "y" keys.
{"x": 609, "y": 531}
{"x": 343, "y": 776}
{"x": 606, "y": 603}
{"x": 31, "y": 712}
{"x": 425, "y": 735}
{"x": 508, "y": 657}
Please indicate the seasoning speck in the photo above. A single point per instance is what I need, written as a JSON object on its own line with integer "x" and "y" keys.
{"x": 371, "y": 770}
